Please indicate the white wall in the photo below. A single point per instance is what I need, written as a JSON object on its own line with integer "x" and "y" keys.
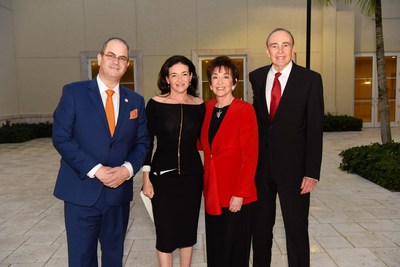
{"x": 49, "y": 36}
{"x": 365, "y": 28}
{"x": 9, "y": 106}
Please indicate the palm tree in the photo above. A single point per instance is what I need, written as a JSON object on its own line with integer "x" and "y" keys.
{"x": 374, "y": 7}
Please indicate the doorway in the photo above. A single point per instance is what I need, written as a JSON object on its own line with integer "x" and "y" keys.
{"x": 366, "y": 89}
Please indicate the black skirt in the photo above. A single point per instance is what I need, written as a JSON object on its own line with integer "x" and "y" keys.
{"x": 176, "y": 205}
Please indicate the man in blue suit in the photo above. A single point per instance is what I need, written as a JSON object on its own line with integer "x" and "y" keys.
{"x": 100, "y": 154}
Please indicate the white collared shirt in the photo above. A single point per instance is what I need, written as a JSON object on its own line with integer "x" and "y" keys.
{"x": 103, "y": 94}
{"x": 282, "y": 79}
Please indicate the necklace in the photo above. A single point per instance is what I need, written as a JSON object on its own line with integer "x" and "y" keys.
{"x": 222, "y": 109}
{"x": 219, "y": 112}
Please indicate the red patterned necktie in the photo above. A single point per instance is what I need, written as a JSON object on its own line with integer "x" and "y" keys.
{"x": 275, "y": 96}
{"x": 110, "y": 111}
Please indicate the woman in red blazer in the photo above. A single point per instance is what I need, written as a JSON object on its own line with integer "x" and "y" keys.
{"x": 229, "y": 138}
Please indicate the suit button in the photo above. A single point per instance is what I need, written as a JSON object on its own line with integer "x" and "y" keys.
{"x": 210, "y": 156}
{"x": 111, "y": 146}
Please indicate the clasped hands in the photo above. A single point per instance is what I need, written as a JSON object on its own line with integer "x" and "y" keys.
{"x": 112, "y": 177}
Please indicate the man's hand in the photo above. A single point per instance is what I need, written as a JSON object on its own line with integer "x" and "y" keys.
{"x": 102, "y": 174}
{"x": 113, "y": 177}
{"x": 307, "y": 185}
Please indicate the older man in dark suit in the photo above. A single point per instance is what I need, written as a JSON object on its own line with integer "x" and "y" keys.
{"x": 288, "y": 100}
{"x": 100, "y": 131}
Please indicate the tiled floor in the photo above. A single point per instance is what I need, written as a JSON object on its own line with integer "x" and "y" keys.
{"x": 353, "y": 222}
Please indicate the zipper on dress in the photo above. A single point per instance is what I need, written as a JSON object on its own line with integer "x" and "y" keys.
{"x": 179, "y": 141}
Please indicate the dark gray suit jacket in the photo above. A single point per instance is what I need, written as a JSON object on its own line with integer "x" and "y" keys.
{"x": 290, "y": 146}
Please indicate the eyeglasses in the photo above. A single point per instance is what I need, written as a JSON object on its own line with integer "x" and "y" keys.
{"x": 111, "y": 56}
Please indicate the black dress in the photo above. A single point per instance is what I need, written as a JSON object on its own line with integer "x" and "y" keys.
{"x": 176, "y": 172}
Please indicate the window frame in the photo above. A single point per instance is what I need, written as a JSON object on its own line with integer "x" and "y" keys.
{"x": 201, "y": 54}
{"x": 134, "y": 55}
{"x": 375, "y": 112}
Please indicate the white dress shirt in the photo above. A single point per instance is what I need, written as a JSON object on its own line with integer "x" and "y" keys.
{"x": 115, "y": 97}
{"x": 282, "y": 79}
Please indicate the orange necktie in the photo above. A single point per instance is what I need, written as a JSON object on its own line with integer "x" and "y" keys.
{"x": 275, "y": 96}
{"x": 110, "y": 111}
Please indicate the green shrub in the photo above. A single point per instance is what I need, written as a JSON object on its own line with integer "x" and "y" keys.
{"x": 21, "y": 132}
{"x": 379, "y": 163}
{"x": 341, "y": 123}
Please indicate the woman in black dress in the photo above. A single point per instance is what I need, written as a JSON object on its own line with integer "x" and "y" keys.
{"x": 173, "y": 176}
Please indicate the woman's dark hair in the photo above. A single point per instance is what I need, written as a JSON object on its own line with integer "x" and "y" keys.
{"x": 162, "y": 83}
{"x": 223, "y": 62}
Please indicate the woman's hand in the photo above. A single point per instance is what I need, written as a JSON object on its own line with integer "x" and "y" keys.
{"x": 236, "y": 204}
{"x": 148, "y": 189}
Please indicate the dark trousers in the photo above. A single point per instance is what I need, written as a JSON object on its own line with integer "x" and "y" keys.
{"x": 86, "y": 226}
{"x": 295, "y": 210}
{"x": 228, "y": 238}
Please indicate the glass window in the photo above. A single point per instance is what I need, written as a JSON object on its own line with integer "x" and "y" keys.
{"x": 366, "y": 95}
{"x": 391, "y": 70}
{"x": 128, "y": 80}
{"x": 363, "y": 89}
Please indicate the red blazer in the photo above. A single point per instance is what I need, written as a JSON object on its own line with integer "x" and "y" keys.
{"x": 230, "y": 166}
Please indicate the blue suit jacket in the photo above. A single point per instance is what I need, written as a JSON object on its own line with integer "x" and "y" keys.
{"x": 82, "y": 137}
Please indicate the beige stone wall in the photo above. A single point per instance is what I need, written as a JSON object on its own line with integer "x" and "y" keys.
{"x": 48, "y": 37}
{"x": 9, "y": 102}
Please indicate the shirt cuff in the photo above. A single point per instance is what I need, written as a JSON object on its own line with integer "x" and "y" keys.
{"x": 128, "y": 165}
{"x": 146, "y": 168}
{"x": 92, "y": 172}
